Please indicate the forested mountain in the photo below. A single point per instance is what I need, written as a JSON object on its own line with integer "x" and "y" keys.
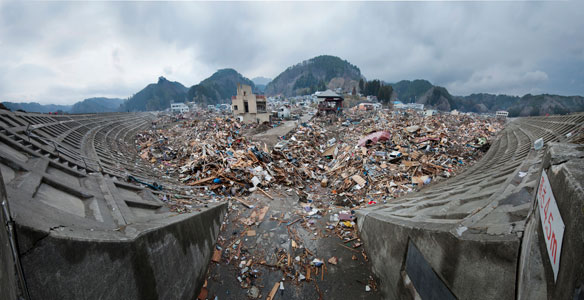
{"x": 37, "y": 107}
{"x": 261, "y": 80}
{"x": 317, "y": 73}
{"x": 409, "y": 91}
{"x": 528, "y": 105}
{"x": 261, "y": 83}
{"x": 422, "y": 91}
{"x": 156, "y": 96}
{"x": 97, "y": 105}
{"x": 439, "y": 98}
{"x": 90, "y": 105}
{"x": 218, "y": 88}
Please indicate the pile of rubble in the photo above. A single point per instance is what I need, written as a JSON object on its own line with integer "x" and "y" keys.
{"x": 360, "y": 159}
{"x": 384, "y": 155}
{"x": 306, "y": 188}
{"x": 211, "y": 153}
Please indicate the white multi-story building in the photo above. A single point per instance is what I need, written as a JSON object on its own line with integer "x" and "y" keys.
{"x": 179, "y": 108}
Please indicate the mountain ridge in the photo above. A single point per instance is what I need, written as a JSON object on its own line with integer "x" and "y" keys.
{"x": 97, "y": 105}
{"x": 437, "y": 97}
{"x": 317, "y": 73}
{"x": 219, "y": 87}
{"x": 156, "y": 96}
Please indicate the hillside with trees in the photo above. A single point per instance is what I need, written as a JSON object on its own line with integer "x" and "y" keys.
{"x": 316, "y": 74}
{"x": 37, "y": 107}
{"x": 436, "y": 97}
{"x": 156, "y": 96}
{"x": 219, "y": 88}
{"x": 261, "y": 83}
{"x": 527, "y": 105}
{"x": 409, "y": 91}
{"x": 87, "y": 106}
{"x": 376, "y": 88}
{"x": 97, "y": 105}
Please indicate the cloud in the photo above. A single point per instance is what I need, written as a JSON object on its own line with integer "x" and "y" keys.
{"x": 501, "y": 79}
{"x": 62, "y": 52}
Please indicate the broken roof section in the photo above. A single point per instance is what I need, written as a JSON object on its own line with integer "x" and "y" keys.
{"x": 329, "y": 94}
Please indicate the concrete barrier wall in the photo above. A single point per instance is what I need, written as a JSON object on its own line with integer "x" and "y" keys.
{"x": 564, "y": 166}
{"x": 469, "y": 269}
{"x": 464, "y": 237}
{"x": 166, "y": 263}
{"x": 85, "y": 230}
{"x": 8, "y": 283}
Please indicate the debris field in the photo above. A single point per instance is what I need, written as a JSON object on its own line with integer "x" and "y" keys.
{"x": 290, "y": 230}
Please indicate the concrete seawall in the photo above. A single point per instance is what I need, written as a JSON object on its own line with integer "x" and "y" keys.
{"x": 166, "y": 261}
{"x": 84, "y": 231}
{"x": 462, "y": 238}
{"x": 564, "y": 167}
{"x": 8, "y": 277}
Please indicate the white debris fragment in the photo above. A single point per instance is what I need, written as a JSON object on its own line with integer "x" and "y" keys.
{"x": 460, "y": 230}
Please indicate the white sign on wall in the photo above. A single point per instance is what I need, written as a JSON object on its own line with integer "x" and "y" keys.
{"x": 551, "y": 222}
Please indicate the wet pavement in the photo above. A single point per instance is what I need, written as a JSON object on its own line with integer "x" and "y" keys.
{"x": 281, "y": 247}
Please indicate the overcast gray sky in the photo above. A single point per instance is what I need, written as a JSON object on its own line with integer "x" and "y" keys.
{"x": 63, "y": 52}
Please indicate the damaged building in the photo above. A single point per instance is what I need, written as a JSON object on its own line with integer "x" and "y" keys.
{"x": 249, "y": 107}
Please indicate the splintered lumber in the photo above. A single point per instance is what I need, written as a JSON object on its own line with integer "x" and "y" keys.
{"x": 243, "y": 202}
{"x": 266, "y": 193}
{"x": 359, "y": 180}
{"x": 273, "y": 291}
{"x": 201, "y": 181}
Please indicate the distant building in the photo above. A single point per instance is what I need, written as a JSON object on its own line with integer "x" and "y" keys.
{"x": 371, "y": 98}
{"x": 248, "y": 106}
{"x": 330, "y": 102}
{"x": 400, "y": 105}
{"x": 179, "y": 108}
{"x": 430, "y": 112}
{"x": 369, "y": 106}
{"x": 283, "y": 112}
{"x": 454, "y": 112}
{"x": 502, "y": 114}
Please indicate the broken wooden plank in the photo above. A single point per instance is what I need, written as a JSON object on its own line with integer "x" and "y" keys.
{"x": 273, "y": 291}
{"x": 359, "y": 180}
{"x": 244, "y": 203}
{"x": 266, "y": 193}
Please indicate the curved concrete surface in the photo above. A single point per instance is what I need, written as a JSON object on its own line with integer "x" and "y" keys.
{"x": 461, "y": 238}
{"x": 83, "y": 231}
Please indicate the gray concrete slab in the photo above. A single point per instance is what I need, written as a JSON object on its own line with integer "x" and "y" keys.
{"x": 563, "y": 164}
{"x": 8, "y": 278}
{"x": 83, "y": 231}
{"x": 469, "y": 228}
